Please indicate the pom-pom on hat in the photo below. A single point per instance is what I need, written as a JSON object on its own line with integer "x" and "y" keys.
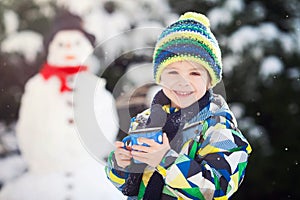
{"x": 188, "y": 39}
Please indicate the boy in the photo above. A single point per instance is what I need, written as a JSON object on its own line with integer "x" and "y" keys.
{"x": 203, "y": 154}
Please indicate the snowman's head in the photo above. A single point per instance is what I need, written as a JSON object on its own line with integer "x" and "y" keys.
{"x": 69, "y": 48}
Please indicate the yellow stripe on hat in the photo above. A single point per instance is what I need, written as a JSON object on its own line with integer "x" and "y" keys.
{"x": 191, "y": 29}
{"x": 196, "y": 17}
{"x": 196, "y": 36}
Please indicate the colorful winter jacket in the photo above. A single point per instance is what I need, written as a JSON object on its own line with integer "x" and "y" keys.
{"x": 209, "y": 164}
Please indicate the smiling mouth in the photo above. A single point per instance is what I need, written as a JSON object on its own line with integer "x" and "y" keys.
{"x": 183, "y": 93}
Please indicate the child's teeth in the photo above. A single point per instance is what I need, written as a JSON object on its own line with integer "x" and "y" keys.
{"x": 183, "y": 93}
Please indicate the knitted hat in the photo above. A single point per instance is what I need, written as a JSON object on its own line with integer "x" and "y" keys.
{"x": 67, "y": 21}
{"x": 188, "y": 39}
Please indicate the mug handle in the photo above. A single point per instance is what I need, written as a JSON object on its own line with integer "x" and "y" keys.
{"x": 125, "y": 140}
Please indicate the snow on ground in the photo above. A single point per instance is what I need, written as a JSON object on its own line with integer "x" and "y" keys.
{"x": 13, "y": 171}
{"x": 11, "y": 164}
{"x": 8, "y": 141}
{"x": 11, "y": 167}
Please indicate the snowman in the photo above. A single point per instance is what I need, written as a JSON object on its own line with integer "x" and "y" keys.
{"x": 62, "y": 164}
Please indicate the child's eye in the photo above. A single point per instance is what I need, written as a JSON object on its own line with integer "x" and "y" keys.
{"x": 195, "y": 74}
{"x": 172, "y": 72}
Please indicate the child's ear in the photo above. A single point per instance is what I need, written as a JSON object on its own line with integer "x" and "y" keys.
{"x": 209, "y": 85}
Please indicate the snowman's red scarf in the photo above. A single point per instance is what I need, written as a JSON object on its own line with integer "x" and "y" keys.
{"x": 61, "y": 72}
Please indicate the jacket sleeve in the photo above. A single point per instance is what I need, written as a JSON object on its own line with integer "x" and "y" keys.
{"x": 127, "y": 183}
{"x": 117, "y": 177}
{"x": 217, "y": 168}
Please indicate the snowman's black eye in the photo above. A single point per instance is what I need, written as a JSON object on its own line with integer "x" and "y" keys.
{"x": 60, "y": 44}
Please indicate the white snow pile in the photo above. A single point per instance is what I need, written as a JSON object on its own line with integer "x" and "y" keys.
{"x": 140, "y": 73}
{"x": 238, "y": 110}
{"x": 110, "y": 29}
{"x": 8, "y": 140}
{"x": 271, "y": 65}
{"x": 219, "y": 16}
{"x": 225, "y": 15}
{"x": 248, "y": 36}
{"x": 11, "y": 167}
{"x": 27, "y": 43}
{"x": 11, "y": 21}
{"x": 229, "y": 62}
{"x": 114, "y": 30}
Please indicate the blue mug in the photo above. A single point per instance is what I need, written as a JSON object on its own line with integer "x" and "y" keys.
{"x": 150, "y": 133}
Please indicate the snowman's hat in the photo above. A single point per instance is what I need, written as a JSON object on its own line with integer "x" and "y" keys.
{"x": 67, "y": 21}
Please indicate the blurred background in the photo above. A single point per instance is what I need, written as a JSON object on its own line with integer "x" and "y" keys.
{"x": 260, "y": 42}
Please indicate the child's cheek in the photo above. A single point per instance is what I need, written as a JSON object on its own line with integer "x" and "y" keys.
{"x": 168, "y": 82}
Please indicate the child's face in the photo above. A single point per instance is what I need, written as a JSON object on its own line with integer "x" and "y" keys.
{"x": 184, "y": 83}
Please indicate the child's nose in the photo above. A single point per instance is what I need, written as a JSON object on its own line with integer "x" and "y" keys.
{"x": 183, "y": 82}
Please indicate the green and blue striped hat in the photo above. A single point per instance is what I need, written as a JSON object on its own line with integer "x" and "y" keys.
{"x": 189, "y": 39}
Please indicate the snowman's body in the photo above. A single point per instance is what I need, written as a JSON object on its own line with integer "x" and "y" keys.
{"x": 59, "y": 167}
